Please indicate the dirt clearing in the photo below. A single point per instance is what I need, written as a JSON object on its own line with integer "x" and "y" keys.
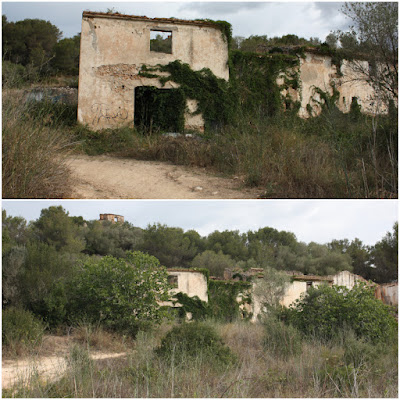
{"x": 50, "y": 365}
{"x": 107, "y": 177}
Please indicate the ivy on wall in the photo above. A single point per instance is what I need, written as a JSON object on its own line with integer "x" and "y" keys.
{"x": 222, "y": 299}
{"x": 255, "y": 78}
{"x": 252, "y": 87}
{"x": 251, "y": 90}
{"x": 198, "y": 308}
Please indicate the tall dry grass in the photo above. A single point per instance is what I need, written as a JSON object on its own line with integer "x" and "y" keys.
{"x": 318, "y": 370}
{"x": 331, "y": 156}
{"x": 33, "y": 154}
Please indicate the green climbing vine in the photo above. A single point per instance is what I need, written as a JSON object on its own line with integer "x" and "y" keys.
{"x": 197, "y": 308}
{"x": 251, "y": 89}
{"x": 222, "y": 299}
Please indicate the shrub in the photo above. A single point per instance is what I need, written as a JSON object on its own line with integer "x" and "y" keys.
{"x": 123, "y": 294}
{"x": 324, "y": 311}
{"x": 13, "y": 75}
{"x": 192, "y": 340}
{"x": 282, "y": 340}
{"x": 20, "y": 328}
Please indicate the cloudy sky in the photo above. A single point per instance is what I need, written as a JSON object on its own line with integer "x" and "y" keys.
{"x": 305, "y": 19}
{"x": 310, "y": 220}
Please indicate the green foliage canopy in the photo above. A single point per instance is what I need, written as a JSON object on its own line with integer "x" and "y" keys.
{"x": 29, "y": 41}
{"x": 123, "y": 294}
{"x": 57, "y": 229}
{"x": 325, "y": 310}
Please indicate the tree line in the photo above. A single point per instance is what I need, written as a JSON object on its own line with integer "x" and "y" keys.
{"x": 39, "y": 255}
{"x": 33, "y": 49}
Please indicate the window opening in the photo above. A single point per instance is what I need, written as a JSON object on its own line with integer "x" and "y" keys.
{"x": 161, "y": 41}
{"x": 173, "y": 281}
{"x": 309, "y": 286}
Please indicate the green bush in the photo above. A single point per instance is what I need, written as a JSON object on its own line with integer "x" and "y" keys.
{"x": 189, "y": 341}
{"x": 325, "y": 311}
{"x": 21, "y": 327}
{"x": 223, "y": 299}
{"x": 123, "y": 294}
{"x": 13, "y": 75}
{"x": 282, "y": 340}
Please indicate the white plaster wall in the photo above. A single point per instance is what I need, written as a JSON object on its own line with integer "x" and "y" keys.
{"x": 113, "y": 51}
{"x": 347, "y": 279}
{"x": 293, "y": 291}
{"x": 191, "y": 283}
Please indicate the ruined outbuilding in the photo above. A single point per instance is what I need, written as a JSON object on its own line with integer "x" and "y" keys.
{"x": 190, "y": 282}
{"x": 116, "y": 47}
{"x": 113, "y": 218}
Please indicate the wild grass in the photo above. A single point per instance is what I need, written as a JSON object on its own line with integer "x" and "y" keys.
{"x": 34, "y": 153}
{"x": 319, "y": 369}
{"x": 334, "y": 155}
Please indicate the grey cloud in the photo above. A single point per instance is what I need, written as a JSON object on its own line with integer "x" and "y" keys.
{"x": 332, "y": 11}
{"x": 220, "y": 8}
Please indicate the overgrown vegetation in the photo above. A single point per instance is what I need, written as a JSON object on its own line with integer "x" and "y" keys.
{"x": 223, "y": 302}
{"x": 345, "y": 367}
{"x": 59, "y": 276}
{"x": 34, "y": 150}
{"x": 326, "y": 311}
{"x": 187, "y": 342}
{"x": 247, "y": 133}
{"x": 21, "y": 330}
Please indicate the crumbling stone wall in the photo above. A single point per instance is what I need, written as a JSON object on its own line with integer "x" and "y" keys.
{"x": 114, "y": 48}
{"x": 318, "y": 71}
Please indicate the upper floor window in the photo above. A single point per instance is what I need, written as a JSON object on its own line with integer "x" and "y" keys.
{"x": 161, "y": 41}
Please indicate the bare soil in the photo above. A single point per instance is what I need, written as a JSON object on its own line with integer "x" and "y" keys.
{"x": 109, "y": 177}
{"x": 49, "y": 364}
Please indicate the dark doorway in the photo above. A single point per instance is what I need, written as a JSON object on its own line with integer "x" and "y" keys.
{"x": 159, "y": 110}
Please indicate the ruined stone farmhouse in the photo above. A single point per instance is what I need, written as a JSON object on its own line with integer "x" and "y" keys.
{"x": 115, "y": 47}
{"x": 194, "y": 283}
{"x": 117, "y": 50}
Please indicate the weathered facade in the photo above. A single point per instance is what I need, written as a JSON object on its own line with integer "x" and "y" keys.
{"x": 318, "y": 71}
{"x": 300, "y": 284}
{"x": 388, "y": 293}
{"x": 189, "y": 282}
{"x": 115, "y": 47}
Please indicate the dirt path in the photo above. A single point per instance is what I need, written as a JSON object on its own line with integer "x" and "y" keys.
{"x": 106, "y": 177}
{"x": 49, "y": 366}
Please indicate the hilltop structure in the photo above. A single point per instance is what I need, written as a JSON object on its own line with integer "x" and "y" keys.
{"x": 112, "y": 217}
